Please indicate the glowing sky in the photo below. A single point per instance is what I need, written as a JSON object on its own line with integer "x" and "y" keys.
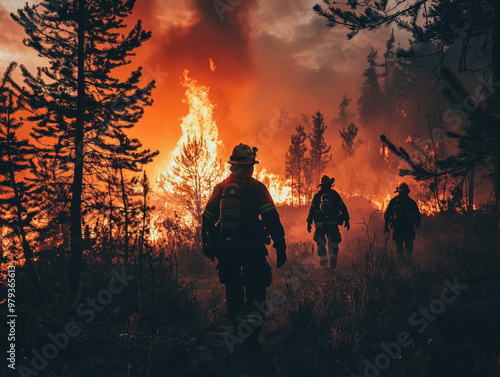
{"x": 267, "y": 53}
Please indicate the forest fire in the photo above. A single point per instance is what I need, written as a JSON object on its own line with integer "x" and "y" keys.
{"x": 203, "y": 168}
{"x": 122, "y": 253}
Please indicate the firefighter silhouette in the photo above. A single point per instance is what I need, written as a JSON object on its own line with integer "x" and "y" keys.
{"x": 402, "y": 215}
{"x": 327, "y": 211}
{"x": 235, "y": 235}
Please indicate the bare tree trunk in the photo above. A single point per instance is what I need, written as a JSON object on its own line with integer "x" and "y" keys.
{"x": 76, "y": 200}
{"x": 471, "y": 191}
{"x": 127, "y": 220}
{"x": 496, "y": 96}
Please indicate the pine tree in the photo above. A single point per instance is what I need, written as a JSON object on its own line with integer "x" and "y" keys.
{"x": 465, "y": 24}
{"x": 370, "y": 100}
{"x": 348, "y": 136}
{"x": 17, "y": 199}
{"x": 345, "y": 115}
{"x": 296, "y": 162}
{"x": 319, "y": 152}
{"x": 80, "y": 105}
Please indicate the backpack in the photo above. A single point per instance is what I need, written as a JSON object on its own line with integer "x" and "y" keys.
{"x": 325, "y": 206}
{"x": 230, "y": 209}
{"x": 402, "y": 214}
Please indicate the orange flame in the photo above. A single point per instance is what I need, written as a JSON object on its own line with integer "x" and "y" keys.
{"x": 199, "y": 124}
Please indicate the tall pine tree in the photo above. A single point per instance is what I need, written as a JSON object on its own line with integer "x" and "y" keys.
{"x": 319, "y": 152}
{"x": 370, "y": 100}
{"x": 296, "y": 162}
{"x": 80, "y": 103}
{"x": 17, "y": 194}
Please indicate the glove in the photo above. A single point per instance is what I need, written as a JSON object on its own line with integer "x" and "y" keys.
{"x": 208, "y": 252}
{"x": 309, "y": 227}
{"x": 347, "y": 225}
{"x": 280, "y": 253}
{"x": 281, "y": 257}
{"x": 386, "y": 228}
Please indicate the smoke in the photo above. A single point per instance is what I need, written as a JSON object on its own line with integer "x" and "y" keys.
{"x": 267, "y": 54}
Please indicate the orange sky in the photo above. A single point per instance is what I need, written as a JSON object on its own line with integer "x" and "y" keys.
{"x": 267, "y": 53}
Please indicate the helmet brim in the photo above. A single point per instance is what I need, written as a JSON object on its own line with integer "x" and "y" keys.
{"x": 235, "y": 162}
{"x": 404, "y": 190}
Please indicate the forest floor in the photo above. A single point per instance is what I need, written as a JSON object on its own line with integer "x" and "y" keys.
{"x": 375, "y": 318}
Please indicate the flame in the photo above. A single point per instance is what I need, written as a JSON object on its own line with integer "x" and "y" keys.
{"x": 212, "y": 65}
{"x": 403, "y": 114}
{"x": 408, "y": 139}
{"x": 199, "y": 124}
{"x": 279, "y": 189}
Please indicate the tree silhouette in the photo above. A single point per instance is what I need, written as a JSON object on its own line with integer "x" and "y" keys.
{"x": 345, "y": 115}
{"x": 442, "y": 24}
{"x": 319, "y": 153}
{"x": 348, "y": 136}
{"x": 371, "y": 98}
{"x": 79, "y": 104}
{"x": 17, "y": 199}
{"x": 296, "y": 162}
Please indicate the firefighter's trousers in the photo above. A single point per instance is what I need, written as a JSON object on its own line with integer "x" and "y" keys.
{"x": 327, "y": 238}
{"x": 246, "y": 285}
{"x": 404, "y": 237}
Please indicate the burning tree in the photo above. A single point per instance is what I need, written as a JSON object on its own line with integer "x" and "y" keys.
{"x": 190, "y": 178}
{"x": 78, "y": 104}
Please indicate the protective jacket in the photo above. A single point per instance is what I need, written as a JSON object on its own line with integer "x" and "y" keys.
{"x": 339, "y": 209}
{"x": 402, "y": 214}
{"x": 255, "y": 201}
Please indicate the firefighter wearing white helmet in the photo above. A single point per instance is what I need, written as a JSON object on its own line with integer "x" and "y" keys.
{"x": 328, "y": 211}
{"x": 402, "y": 215}
{"x": 239, "y": 220}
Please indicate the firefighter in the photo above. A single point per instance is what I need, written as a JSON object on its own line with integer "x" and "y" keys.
{"x": 327, "y": 211}
{"x": 235, "y": 235}
{"x": 402, "y": 215}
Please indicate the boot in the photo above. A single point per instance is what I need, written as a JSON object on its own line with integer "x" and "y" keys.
{"x": 333, "y": 261}
{"x": 252, "y": 346}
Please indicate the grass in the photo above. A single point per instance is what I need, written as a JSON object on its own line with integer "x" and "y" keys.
{"x": 170, "y": 319}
